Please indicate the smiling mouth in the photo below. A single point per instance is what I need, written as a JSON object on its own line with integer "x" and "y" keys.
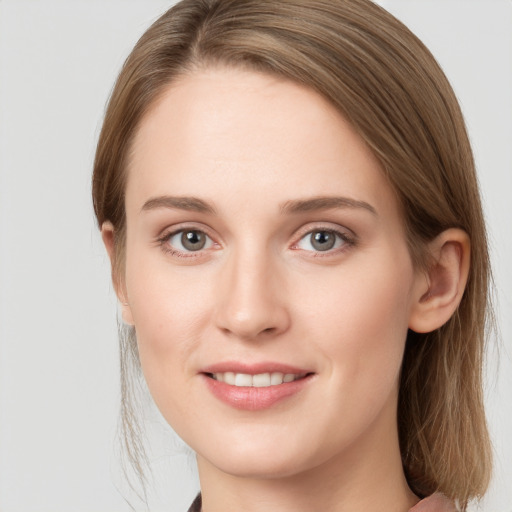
{"x": 258, "y": 389}
{"x": 260, "y": 380}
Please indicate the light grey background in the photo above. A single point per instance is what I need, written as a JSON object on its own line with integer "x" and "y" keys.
{"x": 58, "y": 351}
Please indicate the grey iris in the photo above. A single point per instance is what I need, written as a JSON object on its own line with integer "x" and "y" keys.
{"x": 323, "y": 240}
{"x": 193, "y": 240}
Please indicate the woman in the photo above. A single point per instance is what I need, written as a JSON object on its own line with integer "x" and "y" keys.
{"x": 288, "y": 198}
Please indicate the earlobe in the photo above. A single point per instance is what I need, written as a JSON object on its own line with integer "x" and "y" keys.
{"x": 439, "y": 291}
{"x": 107, "y": 235}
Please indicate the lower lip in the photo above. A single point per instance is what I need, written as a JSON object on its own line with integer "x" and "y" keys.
{"x": 253, "y": 398}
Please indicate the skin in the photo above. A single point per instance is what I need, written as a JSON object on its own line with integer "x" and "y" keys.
{"x": 250, "y": 146}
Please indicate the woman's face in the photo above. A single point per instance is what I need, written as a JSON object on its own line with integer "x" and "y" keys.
{"x": 267, "y": 275}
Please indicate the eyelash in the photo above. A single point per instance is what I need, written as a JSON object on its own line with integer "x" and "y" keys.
{"x": 347, "y": 242}
{"x": 163, "y": 241}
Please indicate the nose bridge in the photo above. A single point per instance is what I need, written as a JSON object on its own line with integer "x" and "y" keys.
{"x": 250, "y": 305}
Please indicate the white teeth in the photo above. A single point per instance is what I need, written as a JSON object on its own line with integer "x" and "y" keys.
{"x": 276, "y": 378}
{"x": 261, "y": 380}
{"x": 243, "y": 380}
{"x": 229, "y": 378}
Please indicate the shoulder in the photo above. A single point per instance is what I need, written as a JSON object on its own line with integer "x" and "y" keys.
{"x": 434, "y": 503}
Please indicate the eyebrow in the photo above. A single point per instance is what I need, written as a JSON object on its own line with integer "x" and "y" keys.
{"x": 289, "y": 207}
{"x": 325, "y": 203}
{"x": 192, "y": 204}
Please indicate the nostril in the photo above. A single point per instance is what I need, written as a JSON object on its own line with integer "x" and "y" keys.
{"x": 249, "y": 319}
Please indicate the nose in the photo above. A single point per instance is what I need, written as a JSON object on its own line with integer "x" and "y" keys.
{"x": 251, "y": 302}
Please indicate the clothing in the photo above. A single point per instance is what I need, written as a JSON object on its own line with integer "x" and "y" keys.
{"x": 196, "y": 505}
{"x": 434, "y": 503}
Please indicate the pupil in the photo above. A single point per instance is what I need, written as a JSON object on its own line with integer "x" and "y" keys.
{"x": 193, "y": 240}
{"x": 323, "y": 240}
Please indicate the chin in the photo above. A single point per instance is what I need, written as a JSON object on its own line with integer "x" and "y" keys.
{"x": 258, "y": 467}
{"x": 261, "y": 457}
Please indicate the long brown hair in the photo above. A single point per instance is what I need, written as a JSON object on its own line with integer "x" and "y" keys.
{"x": 386, "y": 83}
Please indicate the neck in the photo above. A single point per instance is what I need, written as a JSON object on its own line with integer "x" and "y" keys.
{"x": 366, "y": 476}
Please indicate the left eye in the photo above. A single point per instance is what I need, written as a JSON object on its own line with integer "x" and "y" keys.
{"x": 321, "y": 240}
{"x": 190, "y": 240}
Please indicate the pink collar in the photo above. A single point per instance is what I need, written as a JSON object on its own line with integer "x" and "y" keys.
{"x": 434, "y": 503}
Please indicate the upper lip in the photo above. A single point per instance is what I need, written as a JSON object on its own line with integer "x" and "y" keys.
{"x": 253, "y": 368}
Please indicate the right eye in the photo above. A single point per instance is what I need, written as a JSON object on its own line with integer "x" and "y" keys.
{"x": 187, "y": 240}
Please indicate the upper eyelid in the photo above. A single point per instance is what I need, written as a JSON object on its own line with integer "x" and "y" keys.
{"x": 346, "y": 239}
{"x": 173, "y": 230}
{"x": 323, "y": 226}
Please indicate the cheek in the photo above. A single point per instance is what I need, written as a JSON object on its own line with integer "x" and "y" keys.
{"x": 163, "y": 297}
{"x": 168, "y": 310}
{"x": 167, "y": 329}
{"x": 362, "y": 314}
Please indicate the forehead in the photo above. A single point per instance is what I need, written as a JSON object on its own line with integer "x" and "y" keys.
{"x": 226, "y": 131}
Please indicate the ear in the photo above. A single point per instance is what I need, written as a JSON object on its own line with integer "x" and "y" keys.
{"x": 108, "y": 236}
{"x": 438, "y": 292}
